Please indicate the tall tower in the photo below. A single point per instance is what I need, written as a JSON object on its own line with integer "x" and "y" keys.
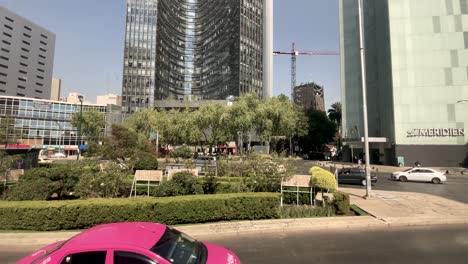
{"x": 138, "y": 83}
{"x": 195, "y": 50}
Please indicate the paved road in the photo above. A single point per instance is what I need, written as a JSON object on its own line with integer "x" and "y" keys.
{"x": 455, "y": 188}
{"x": 433, "y": 244}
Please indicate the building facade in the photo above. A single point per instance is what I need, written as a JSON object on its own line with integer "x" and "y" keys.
{"x": 309, "y": 96}
{"x": 417, "y": 79}
{"x": 44, "y": 124}
{"x": 109, "y": 99}
{"x": 56, "y": 89}
{"x": 192, "y": 50}
{"x": 26, "y": 57}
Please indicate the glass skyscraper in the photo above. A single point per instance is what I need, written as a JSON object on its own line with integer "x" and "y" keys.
{"x": 192, "y": 50}
{"x": 417, "y": 80}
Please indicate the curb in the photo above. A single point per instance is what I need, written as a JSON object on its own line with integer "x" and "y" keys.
{"x": 253, "y": 227}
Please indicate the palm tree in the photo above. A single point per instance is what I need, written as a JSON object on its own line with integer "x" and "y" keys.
{"x": 335, "y": 113}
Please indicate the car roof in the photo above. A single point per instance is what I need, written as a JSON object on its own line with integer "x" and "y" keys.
{"x": 139, "y": 234}
{"x": 422, "y": 168}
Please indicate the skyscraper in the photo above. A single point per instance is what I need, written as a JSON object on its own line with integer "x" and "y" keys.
{"x": 417, "y": 80}
{"x": 193, "y": 50}
{"x": 26, "y": 57}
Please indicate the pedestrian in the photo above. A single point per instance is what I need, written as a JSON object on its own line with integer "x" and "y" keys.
{"x": 417, "y": 164}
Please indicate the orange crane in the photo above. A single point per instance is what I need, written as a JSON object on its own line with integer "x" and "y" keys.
{"x": 295, "y": 53}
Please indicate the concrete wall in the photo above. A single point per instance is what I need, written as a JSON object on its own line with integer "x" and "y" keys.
{"x": 432, "y": 155}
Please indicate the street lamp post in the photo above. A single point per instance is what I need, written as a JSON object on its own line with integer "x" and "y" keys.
{"x": 364, "y": 97}
{"x": 80, "y": 97}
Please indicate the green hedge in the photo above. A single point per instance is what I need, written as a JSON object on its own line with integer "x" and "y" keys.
{"x": 80, "y": 214}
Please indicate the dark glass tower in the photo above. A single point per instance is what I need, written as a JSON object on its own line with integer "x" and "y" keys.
{"x": 205, "y": 49}
{"x": 138, "y": 86}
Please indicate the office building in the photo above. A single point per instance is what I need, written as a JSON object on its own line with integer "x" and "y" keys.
{"x": 195, "y": 50}
{"x": 26, "y": 57}
{"x": 46, "y": 124}
{"x": 309, "y": 96}
{"x": 56, "y": 89}
{"x": 109, "y": 99}
{"x": 417, "y": 79}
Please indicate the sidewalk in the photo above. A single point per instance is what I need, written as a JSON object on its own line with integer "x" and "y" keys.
{"x": 405, "y": 208}
{"x": 387, "y": 209}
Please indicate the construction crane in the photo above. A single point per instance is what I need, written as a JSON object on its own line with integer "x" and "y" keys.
{"x": 294, "y": 53}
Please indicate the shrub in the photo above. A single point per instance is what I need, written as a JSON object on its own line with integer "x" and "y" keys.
{"x": 259, "y": 174}
{"x": 145, "y": 161}
{"x": 182, "y": 183}
{"x": 108, "y": 183}
{"x": 291, "y": 211}
{"x": 210, "y": 185}
{"x": 57, "y": 182}
{"x": 341, "y": 202}
{"x": 184, "y": 152}
{"x": 291, "y": 198}
{"x": 323, "y": 179}
{"x": 80, "y": 214}
{"x": 34, "y": 189}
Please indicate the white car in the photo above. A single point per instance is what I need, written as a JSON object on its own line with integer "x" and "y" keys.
{"x": 419, "y": 174}
{"x": 43, "y": 160}
{"x": 58, "y": 155}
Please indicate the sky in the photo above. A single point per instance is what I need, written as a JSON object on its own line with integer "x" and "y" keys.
{"x": 90, "y": 42}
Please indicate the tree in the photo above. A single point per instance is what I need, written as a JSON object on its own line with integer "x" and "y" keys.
{"x": 92, "y": 125}
{"x": 321, "y": 130}
{"x": 335, "y": 113}
{"x": 6, "y": 162}
{"x": 241, "y": 117}
{"x": 9, "y": 134}
{"x": 124, "y": 143}
{"x": 182, "y": 128}
{"x": 211, "y": 120}
{"x": 278, "y": 116}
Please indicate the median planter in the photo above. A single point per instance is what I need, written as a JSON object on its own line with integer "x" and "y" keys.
{"x": 80, "y": 214}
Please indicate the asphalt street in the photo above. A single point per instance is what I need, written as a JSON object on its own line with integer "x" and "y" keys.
{"x": 430, "y": 244}
{"x": 455, "y": 188}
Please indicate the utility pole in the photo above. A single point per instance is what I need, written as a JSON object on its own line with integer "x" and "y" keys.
{"x": 364, "y": 97}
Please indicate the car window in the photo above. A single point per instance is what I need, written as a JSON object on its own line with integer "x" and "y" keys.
{"x": 177, "y": 247}
{"x": 125, "y": 257}
{"x": 89, "y": 257}
{"x": 426, "y": 171}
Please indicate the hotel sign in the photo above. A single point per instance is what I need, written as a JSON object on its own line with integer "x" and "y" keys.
{"x": 436, "y": 132}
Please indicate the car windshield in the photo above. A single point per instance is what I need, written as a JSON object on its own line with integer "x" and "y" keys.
{"x": 179, "y": 248}
{"x": 407, "y": 170}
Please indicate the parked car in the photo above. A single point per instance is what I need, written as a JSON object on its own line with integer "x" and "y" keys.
{"x": 44, "y": 161}
{"x": 355, "y": 176}
{"x": 58, "y": 155}
{"x": 205, "y": 160}
{"x": 132, "y": 242}
{"x": 419, "y": 174}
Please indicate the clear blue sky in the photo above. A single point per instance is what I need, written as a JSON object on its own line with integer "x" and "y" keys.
{"x": 90, "y": 36}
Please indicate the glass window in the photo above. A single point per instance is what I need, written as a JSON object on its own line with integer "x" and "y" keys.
{"x": 124, "y": 257}
{"x": 177, "y": 247}
{"x": 92, "y": 257}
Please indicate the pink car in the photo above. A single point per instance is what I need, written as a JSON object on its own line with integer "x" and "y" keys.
{"x": 131, "y": 243}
